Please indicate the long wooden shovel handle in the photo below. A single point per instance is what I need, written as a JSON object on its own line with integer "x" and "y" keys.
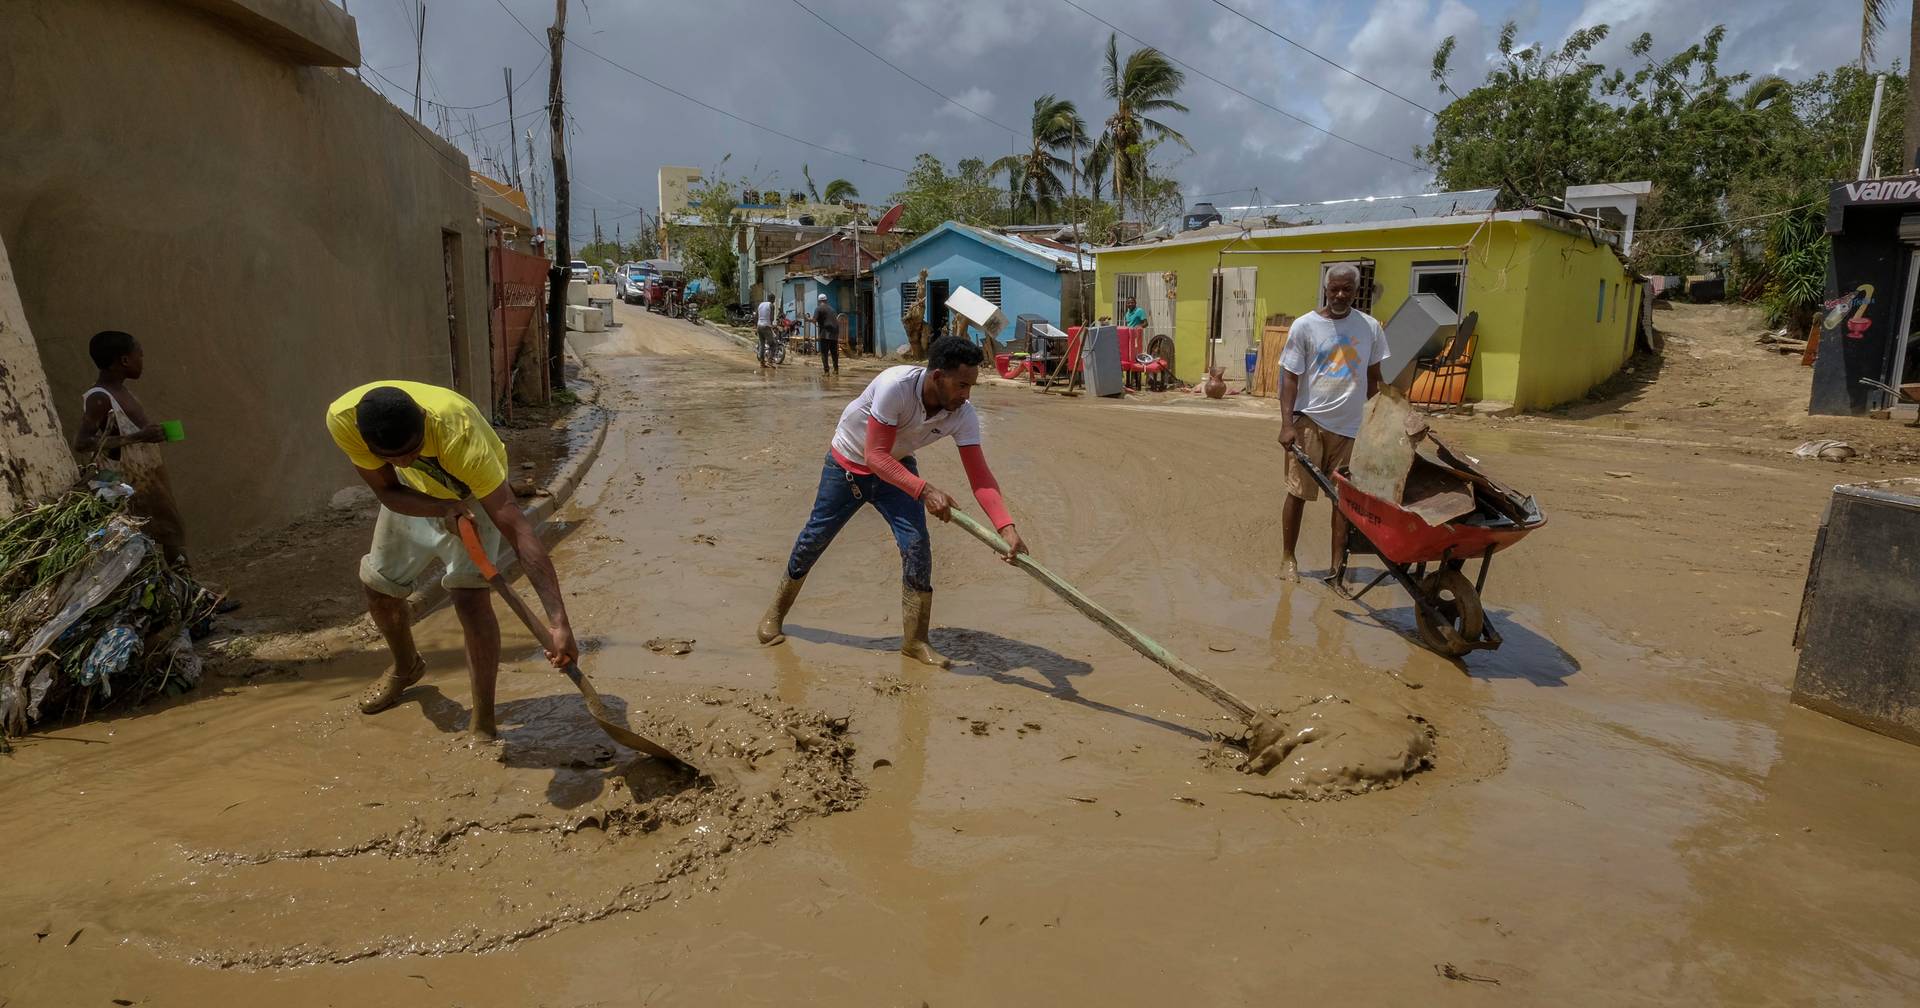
{"x": 1134, "y": 639}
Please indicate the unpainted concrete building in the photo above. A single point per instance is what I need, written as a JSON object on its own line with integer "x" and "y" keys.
{"x": 201, "y": 173}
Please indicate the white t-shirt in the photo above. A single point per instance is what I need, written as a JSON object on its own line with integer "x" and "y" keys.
{"x": 764, "y": 314}
{"x": 1331, "y": 356}
{"x": 894, "y": 399}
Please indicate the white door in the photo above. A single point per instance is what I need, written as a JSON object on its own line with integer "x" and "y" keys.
{"x": 1236, "y": 320}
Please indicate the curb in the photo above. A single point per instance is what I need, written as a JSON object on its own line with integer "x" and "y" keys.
{"x": 565, "y": 482}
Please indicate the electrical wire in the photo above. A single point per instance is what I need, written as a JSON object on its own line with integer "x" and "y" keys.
{"x": 737, "y": 118}
{"x": 930, "y": 88}
{"x": 1378, "y": 87}
{"x": 1637, "y": 232}
{"x": 1196, "y": 71}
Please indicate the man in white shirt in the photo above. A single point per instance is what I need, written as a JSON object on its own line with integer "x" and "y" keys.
{"x": 870, "y": 461}
{"x": 1329, "y": 369}
{"x": 763, "y": 327}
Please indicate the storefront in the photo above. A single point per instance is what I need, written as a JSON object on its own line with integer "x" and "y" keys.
{"x": 1867, "y": 323}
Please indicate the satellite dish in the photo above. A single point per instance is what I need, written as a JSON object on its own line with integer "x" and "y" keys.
{"x": 890, "y": 218}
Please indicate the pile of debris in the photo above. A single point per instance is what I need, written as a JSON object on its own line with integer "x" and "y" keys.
{"x": 92, "y": 614}
{"x": 1778, "y": 341}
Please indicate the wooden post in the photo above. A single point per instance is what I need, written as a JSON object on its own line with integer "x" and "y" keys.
{"x": 562, "y": 250}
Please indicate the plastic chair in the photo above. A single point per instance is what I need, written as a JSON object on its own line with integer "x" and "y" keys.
{"x": 1441, "y": 380}
{"x": 1131, "y": 338}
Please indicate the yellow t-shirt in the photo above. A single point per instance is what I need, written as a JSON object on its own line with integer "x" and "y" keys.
{"x": 460, "y": 444}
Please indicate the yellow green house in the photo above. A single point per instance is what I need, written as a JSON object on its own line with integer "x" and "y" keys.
{"x": 1558, "y": 310}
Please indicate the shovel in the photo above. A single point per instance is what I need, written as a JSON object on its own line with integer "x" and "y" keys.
{"x": 1263, "y": 730}
{"x": 620, "y": 733}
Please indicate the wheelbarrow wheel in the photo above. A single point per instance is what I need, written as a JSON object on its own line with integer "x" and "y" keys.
{"x": 1452, "y": 593}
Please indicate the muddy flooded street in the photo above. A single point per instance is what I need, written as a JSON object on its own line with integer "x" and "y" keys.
{"x": 1618, "y": 806}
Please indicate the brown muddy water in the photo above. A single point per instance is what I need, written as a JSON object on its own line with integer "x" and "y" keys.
{"x": 1620, "y": 808}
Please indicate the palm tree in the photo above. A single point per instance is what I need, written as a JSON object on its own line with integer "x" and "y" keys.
{"x": 1873, "y": 17}
{"x": 1145, "y": 84}
{"x": 840, "y": 189}
{"x": 1034, "y": 177}
{"x": 1096, "y": 165}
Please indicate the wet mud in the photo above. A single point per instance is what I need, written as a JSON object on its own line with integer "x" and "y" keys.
{"x": 1619, "y": 806}
{"x": 485, "y": 876}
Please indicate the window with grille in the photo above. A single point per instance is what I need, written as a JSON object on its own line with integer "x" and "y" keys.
{"x": 990, "y": 289}
{"x": 907, "y": 291}
{"x": 1127, "y": 286}
{"x": 1363, "y": 294}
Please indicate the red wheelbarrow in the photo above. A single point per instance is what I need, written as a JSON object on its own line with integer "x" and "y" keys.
{"x": 1427, "y": 559}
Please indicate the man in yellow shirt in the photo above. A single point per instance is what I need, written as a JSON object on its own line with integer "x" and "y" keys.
{"x": 429, "y": 455}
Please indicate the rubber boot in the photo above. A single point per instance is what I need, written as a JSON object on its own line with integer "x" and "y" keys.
{"x": 916, "y": 612}
{"x": 770, "y": 625}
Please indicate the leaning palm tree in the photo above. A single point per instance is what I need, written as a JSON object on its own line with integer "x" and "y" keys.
{"x": 1034, "y": 177}
{"x": 838, "y": 190}
{"x": 1145, "y": 84}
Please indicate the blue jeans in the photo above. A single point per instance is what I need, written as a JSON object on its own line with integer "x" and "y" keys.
{"x": 841, "y": 494}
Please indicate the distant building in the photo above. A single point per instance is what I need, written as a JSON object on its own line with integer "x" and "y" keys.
{"x": 676, "y": 190}
{"x": 1558, "y": 310}
{"x": 1020, "y": 276}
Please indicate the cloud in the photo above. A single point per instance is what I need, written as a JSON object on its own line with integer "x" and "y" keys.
{"x": 796, "y": 76}
{"x": 977, "y": 98}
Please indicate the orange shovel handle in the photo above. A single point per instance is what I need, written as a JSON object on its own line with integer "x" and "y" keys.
{"x": 470, "y": 536}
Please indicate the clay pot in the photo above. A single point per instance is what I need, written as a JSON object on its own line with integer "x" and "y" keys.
{"x": 1215, "y": 386}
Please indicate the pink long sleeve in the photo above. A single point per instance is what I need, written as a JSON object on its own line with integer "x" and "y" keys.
{"x": 881, "y": 463}
{"x": 986, "y": 489}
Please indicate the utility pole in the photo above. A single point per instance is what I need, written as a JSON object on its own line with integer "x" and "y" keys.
{"x": 512, "y": 150}
{"x": 533, "y": 178}
{"x": 419, "y": 53}
{"x": 562, "y": 251}
{"x": 596, "y": 229}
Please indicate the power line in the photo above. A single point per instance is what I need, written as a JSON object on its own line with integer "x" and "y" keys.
{"x": 737, "y": 118}
{"x": 1381, "y": 88}
{"x": 930, "y": 88}
{"x": 1196, "y": 71}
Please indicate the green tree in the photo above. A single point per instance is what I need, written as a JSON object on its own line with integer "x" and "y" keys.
{"x": 1142, "y": 87}
{"x": 707, "y": 249}
{"x": 932, "y": 196}
{"x": 1034, "y": 177}
{"x": 840, "y": 189}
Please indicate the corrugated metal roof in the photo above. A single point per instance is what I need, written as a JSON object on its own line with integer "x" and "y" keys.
{"x": 1061, "y": 258}
{"x": 1366, "y": 209}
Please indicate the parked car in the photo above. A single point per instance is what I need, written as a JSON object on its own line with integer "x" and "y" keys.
{"x": 581, "y": 271}
{"x": 634, "y": 286}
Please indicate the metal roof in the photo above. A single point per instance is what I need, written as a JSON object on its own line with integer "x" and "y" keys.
{"x": 1366, "y": 209}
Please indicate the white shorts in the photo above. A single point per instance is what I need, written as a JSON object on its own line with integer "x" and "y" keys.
{"x": 403, "y": 546}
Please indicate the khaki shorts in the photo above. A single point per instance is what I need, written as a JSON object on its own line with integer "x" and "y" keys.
{"x": 403, "y": 546}
{"x": 1329, "y": 451}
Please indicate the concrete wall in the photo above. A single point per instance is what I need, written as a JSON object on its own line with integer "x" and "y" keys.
{"x": 35, "y": 463}
{"x": 1534, "y": 286}
{"x": 961, "y": 261}
{"x": 271, "y": 231}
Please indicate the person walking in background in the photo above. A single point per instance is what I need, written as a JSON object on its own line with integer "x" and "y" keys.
{"x": 826, "y": 326}
{"x": 1328, "y": 371}
{"x": 763, "y": 328}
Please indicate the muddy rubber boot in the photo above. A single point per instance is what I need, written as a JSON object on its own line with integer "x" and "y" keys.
{"x": 916, "y": 612}
{"x": 770, "y": 625}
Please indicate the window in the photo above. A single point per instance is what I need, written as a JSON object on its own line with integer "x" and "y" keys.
{"x": 1600, "y": 304}
{"x": 1127, "y": 286}
{"x": 1614, "y": 315}
{"x": 1363, "y": 297}
{"x": 990, "y": 289}
{"x": 1441, "y": 279}
{"x": 907, "y": 291}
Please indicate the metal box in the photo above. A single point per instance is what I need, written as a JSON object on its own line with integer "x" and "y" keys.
{"x": 1859, "y": 630}
{"x": 1100, "y": 360}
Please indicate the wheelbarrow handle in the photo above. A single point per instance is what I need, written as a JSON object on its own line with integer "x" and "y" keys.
{"x": 1326, "y": 483}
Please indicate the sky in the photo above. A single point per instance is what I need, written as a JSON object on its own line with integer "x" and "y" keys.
{"x": 1315, "y": 132}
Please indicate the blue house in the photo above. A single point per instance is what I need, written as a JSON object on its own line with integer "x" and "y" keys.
{"x": 1021, "y": 276}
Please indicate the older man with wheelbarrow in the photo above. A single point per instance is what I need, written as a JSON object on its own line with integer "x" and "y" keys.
{"x": 871, "y": 461}
{"x": 430, "y": 455}
{"x": 1329, "y": 369}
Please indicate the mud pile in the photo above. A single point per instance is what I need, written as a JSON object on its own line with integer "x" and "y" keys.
{"x": 502, "y": 869}
{"x": 1332, "y": 747}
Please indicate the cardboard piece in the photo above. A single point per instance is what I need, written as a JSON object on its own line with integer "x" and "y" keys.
{"x": 1383, "y": 450}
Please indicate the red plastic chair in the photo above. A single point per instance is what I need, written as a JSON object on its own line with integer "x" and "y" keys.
{"x": 1131, "y": 338}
